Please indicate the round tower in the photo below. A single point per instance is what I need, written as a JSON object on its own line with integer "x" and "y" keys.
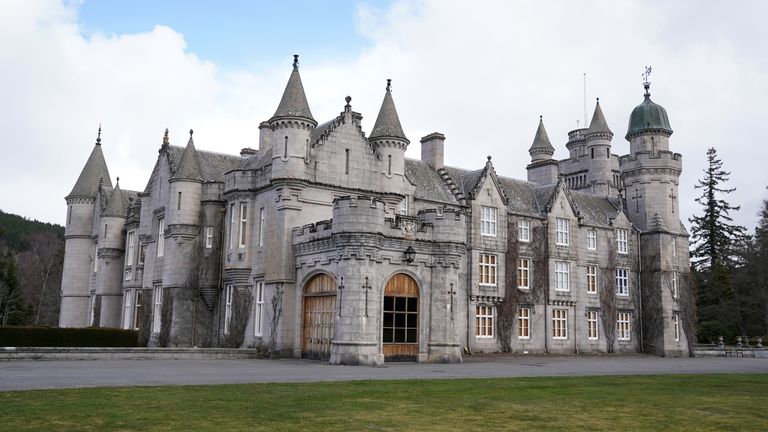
{"x": 111, "y": 252}
{"x": 598, "y": 143}
{"x": 78, "y": 246}
{"x": 291, "y": 127}
{"x": 390, "y": 143}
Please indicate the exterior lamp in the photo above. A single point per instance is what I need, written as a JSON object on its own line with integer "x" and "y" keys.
{"x": 410, "y": 254}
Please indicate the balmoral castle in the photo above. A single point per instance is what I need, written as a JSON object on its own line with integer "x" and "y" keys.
{"x": 327, "y": 242}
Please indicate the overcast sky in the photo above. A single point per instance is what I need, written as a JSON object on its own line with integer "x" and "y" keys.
{"x": 479, "y": 72}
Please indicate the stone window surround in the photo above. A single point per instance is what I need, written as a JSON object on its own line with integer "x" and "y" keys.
{"x": 622, "y": 241}
{"x": 622, "y": 281}
{"x": 487, "y": 271}
{"x": 484, "y": 321}
{"x": 562, "y": 232}
{"x": 592, "y": 325}
{"x": 524, "y": 230}
{"x": 592, "y": 279}
{"x": 488, "y": 221}
{"x": 623, "y": 326}
{"x": 524, "y": 323}
{"x": 562, "y": 276}
{"x": 560, "y": 324}
{"x": 524, "y": 273}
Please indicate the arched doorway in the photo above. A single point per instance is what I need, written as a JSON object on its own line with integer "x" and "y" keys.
{"x": 319, "y": 318}
{"x": 400, "y": 325}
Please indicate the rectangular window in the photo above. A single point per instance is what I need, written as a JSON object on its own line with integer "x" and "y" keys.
{"x": 137, "y": 308}
{"x": 592, "y": 279}
{"x": 674, "y": 246}
{"x": 95, "y": 258}
{"x": 484, "y": 321}
{"x": 178, "y": 202}
{"x": 524, "y": 230}
{"x": 524, "y": 273}
{"x": 400, "y": 320}
{"x": 676, "y": 326}
{"x": 160, "y": 237}
{"x": 231, "y": 226}
{"x": 208, "y": 237}
{"x": 623, "y": 326}
{"x": 243, "y": 224}
{"x": 130, "y": 247}
{"x": 69, "y": 215}
{"x": 404, "y": 206}
{"x": 261, "y": 227}
{"x": 622, "y": 281}
{"x": 592, "y": 325}
{"x": 91, "y": 312}
{"x": 228, "y": 293}
{"x": 259, "y": 311}
{"x": 561, "y": 232}
{"x": 674, "y": 285}
{"x": 487, "y": 270}
{"x": 141, "y": 250}
{"x": 592, "y": 239}
{"x": 559, "y": 324}
{"x": 488, "y": 221}
{"x": 621, "y": 241}
{"x": 157, "y": 307}
{"x": 524, "y": 323}
{"x": 562, "y": 276}
{"x": 127, "y": 315}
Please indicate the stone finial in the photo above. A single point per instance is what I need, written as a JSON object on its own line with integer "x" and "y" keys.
{"x": 191, "y": 132}
{"x": 98, "y": 137}
{"x": 295, "y": 61}
{"x": 389, "y": 85}
{"x": 166, "y": 141}
{"x": 348, "y": 99}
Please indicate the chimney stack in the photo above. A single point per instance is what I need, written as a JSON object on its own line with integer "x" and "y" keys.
{"x": 433, "y": 149}
{"x": 265, "y": 133}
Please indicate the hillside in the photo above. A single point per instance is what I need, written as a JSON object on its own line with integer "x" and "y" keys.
{"x": 14, "y": 230}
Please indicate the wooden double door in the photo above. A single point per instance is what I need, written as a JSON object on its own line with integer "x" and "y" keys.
{"x": 319, "y": 317}
{"x": 400, "y": 325}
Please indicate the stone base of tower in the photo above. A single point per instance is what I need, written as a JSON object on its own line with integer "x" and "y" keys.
{"x": 74, "y": 311}
{"x": 444, "y": 353}
{"x": 356, "y": 354}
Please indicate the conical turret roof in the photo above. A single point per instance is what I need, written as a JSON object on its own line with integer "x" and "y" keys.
{"x": 541, "y": 143}
{"x": 95, "y": 168}
{"x": 116, "y": 203}
{"x": 598, "y": 125}
{"x": 294, "y": 101}
{"x": 388, "y": 123}
{"x": 189, "y": 164}
{"x": 648, "y": 117}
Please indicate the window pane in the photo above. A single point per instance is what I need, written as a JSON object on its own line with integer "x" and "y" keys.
{"x": 400, "y": 303}
{"x": 399, "y": 320}
{"x": 413, "y": 304}
{"x": 389, "y": 319}
{"x": 411, "y": 335}
{"x": 388, "y": 303}
{"x": 399, "y": 335}
{"x": 411, "y": 320}
{"x": 387, "y": 336}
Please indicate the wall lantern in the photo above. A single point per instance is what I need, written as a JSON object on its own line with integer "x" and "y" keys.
{"x": 410, "y": 254}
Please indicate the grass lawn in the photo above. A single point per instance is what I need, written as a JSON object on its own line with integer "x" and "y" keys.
{"x": 643, "y": 403}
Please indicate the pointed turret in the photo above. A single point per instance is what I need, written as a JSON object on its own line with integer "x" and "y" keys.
{"x": 598, "y": 125}
{"x": 388, "y": 123}
{"x": 116, "y": 203}
{"x": 95, "y": 168}
{"x": 294, "y": 102}
{"x": 542, "y": 148}
{"x": 189, "y": 164}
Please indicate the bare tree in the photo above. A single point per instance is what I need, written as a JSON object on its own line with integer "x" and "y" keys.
{"x": 608, "y": 297}
{"x": 238, "y": 320}
{"x": 274, "y": 317}
{"x": 506, "y": 310}
{"x": 145, "y": 318}
{"x": 40, "y": 268}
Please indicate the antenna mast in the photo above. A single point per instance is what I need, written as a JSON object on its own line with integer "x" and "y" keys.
{"x": 585, "y": 99}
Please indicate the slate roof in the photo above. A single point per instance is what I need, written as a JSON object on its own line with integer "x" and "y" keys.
{"x": 213, "y": 165}
{"x": 429, "y": 185}
{"x": 388, "y": 123}
{"x": 294, "y": 101}
{"x": 541, "y": 143}
{"x": 598, "y": 123}
{"x": 594, "y": 210}
{"x": 95, "y": 168}
{"x": 189, "y": 163}
{"x": 118, "y": 201}
{"x": 257, "y": 161}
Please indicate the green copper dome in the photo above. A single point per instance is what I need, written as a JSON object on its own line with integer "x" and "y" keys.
{"x": 648, "y": 117}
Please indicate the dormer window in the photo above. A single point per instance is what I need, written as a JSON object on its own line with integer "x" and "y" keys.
{"x": 488, "y": 221}
{"x": 561, "y": 233}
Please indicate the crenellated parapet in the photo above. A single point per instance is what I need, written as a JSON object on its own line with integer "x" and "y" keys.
{"x": 661, "y": 162}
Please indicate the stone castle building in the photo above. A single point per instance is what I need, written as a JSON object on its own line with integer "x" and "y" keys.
{"x": 329, "y": 243}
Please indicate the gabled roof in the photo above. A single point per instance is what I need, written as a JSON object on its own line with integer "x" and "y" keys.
{"x": 294, "y": 101}
{"x": 213, "y": 165}
{"x": 388, "y": 123}
{"x": 95, "y": 169}
{"x": 429, "y": 185}
{"x": 594, "y": 210}
{"x": 598, "y": 125}
{"x": 189, "y": 164}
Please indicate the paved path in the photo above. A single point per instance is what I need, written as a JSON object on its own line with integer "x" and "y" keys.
{"x": 26, "y": 375}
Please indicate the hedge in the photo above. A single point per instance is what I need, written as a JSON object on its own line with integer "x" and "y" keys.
{"x": 67, "y": 337}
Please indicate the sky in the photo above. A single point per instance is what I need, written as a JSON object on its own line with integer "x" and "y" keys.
{"x": 479, "y": 72}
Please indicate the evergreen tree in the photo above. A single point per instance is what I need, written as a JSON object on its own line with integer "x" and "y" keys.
{"x": 751, "y": 279}
{"x": 12, "y": 309}
{"x": 714, "y": 238}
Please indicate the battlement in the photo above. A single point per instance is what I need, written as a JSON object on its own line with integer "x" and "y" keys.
{"x": 313, "y": 231}
{"x": 251, "y": 179}
{"x": 658, "y": 159}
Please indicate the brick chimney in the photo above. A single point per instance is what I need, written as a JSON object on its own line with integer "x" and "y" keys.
{"x": 433, "y": 149}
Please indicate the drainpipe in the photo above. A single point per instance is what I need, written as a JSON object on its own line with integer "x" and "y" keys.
{"x": 545, "y": 226}
{"x": 469, "y": 277}
{"x": 640, "y": 288}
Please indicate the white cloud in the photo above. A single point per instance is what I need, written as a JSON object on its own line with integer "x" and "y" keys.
{"x": 479, "y": 72}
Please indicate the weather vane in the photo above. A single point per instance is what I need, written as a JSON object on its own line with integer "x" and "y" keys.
{"x": 646, "y": 75}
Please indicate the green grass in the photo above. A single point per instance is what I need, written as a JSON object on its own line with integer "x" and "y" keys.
{"x": 642, "y": 403}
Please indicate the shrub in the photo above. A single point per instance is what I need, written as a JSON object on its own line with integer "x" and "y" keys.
{"x": 67, "y": 337}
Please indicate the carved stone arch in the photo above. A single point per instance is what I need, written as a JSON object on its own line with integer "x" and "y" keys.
{"x": 401, "y": 321}
{"x": 318, "y": 315}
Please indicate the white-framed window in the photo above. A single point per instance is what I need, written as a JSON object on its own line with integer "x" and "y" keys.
{"x": 559, "y": 324}
{"x": 562, "y": 276}
{"x": 91, "y": 312}
{"x": 128, "y": 306}
{"x": 592, "y": 279}
{"x": 243, "y": 224}
{"x": 404, "y": 206}
{"x": 623, "y": 326}
{"x": 157, "y": 308}
{"x": 231, "y": 226}
{"x": 622, "y": 281}
{"x": 208, "y": 237}
{"x": 592, "y": 239}
{"x": 258, "y": 313}
{"x": 160, "y": 237}
{"x": 487, "y": 270}
{"x": 674, "y": 246}
{"x": 676, "y": 326}
{"x": 674, "y": 285}
{"x": 621, "y": 241}
{"x": 228, "y": 294}
{"x": 137, "y": 308}
{"x": 524, "y": 230}
{"x": 592, "y": 329}
{"x": 488, "y": 221}
{"x": 561, "y": 232}
{"x": 484, "y": 321}
{"x": 130, "y": 247}
{"x": 95, "y": 258}
{"x": 524, "y": 323}
{"x": 524, "y": 273}
{"x": 262, "y": 219}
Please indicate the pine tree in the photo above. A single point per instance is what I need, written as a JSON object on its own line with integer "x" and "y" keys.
{"x": 713, "y": 233}
{"x": 714, "y": 239}
{"x": 751, "y": 278}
